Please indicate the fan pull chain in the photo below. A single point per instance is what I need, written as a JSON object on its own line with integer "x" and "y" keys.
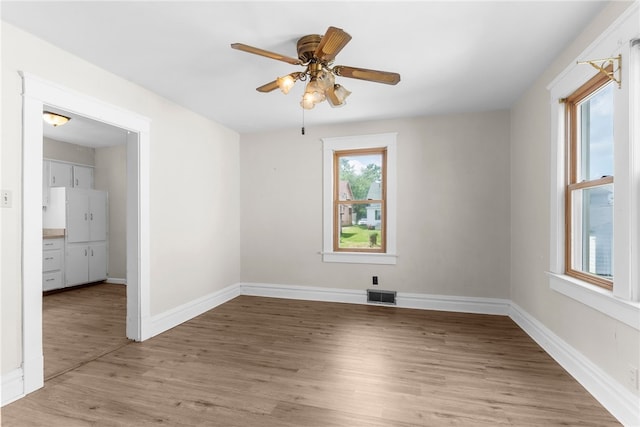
{"x": 302, "y": 121}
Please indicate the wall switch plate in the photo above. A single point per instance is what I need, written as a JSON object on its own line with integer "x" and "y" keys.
{"x": 6, "y": 198}
{"x": 374, "y": 280}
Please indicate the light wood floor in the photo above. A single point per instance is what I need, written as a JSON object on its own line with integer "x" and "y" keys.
{"x": 82, "y": 324}
{"x": 274, "y": 362}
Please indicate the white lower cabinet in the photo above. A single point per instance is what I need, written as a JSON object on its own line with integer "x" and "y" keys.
{"x": 85, "y": 263}
{"x": 52, "y": 263}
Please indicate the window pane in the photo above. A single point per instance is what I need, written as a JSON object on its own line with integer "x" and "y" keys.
{"x": 596, "y": 135}
{"x": 360, "y": 177}
{"x": 593, "y": 230}
{"x": 365, "y": 232}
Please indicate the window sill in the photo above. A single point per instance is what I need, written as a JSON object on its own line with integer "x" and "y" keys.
{"x": 597, "y": 298}
{"x": 359, "y": 258}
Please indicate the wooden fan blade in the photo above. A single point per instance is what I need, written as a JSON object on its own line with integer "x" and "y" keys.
{"x": 268, "y": 87}
{"x": 262, "y": 52}
{"x": 364, "y": 74}
{"x": 331, "y": 44}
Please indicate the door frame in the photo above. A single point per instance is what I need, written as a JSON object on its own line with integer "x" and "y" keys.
{"x": 36, "y": 93}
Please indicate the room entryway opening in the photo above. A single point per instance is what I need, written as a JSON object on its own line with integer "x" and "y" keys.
{"x": 84, "y": 204}
{"x": 38, "y": 94}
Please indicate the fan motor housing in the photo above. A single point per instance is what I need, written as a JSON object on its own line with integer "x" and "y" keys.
{"x": 307, "y": 46}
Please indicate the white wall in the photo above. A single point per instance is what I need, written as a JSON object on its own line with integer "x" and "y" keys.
{"x": 609, "y": 344}
{"x": 60, "y": 150}
{"x": 110, "y": 174}
{"x": 194, "y": 184}
{"x": 453, "y": 207}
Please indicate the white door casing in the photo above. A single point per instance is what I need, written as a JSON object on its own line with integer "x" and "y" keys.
{"x": 37, "y": 93}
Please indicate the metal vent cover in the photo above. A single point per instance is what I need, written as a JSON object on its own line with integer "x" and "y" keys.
{"x": 381, "y": 297}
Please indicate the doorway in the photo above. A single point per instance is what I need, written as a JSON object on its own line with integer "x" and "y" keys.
{"x": 36, "y": 94}
{"x": 83, "y": 318}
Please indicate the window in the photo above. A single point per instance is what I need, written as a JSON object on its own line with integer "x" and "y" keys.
{"x": 359, "y": 205}
{"x": 594, "y": 233}
{"x": 359, "y": 184}
{"x": 590, "y": 188}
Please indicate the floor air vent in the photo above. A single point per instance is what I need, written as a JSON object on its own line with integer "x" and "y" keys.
{"x": 381, "y": 297}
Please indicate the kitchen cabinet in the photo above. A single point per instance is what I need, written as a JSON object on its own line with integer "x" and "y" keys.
{"x": 52, "y": 263}
{"x": 83, "y": 215}
{"x": 85, "y": 263}
{"x": 59, "y": 174}
{"x": 63, "y": 174}
{"x": 82, "y": 176}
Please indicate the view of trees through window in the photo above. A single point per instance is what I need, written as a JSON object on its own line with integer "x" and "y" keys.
{"x": 360, "y": 200}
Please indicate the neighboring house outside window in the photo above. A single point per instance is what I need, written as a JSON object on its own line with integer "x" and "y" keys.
{"x": 346, "y": 210}
{"x": 359, "y": 209}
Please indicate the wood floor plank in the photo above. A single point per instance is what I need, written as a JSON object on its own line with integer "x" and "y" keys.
{"x": 273, "y": 362}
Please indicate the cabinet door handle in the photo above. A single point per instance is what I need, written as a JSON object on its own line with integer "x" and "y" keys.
{"x": 48, "y": 258}
{"x": 85, "y": 252}
{"x": 76, "y": 182}
{"x": 48, "y": 244}
{"x": 92, "y": 216}
{"x": 85, "y": 216}
{"x": 53, "y": 179}
{"x": 92, "y": 252}
{"x": 49, "y": 280}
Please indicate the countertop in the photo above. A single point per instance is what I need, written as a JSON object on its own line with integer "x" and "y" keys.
{"x": 52, "y": 233}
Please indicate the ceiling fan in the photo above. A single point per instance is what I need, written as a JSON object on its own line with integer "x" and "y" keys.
{"x": 316, "y": 53}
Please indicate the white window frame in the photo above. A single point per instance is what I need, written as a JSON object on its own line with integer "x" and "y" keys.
{"x": 330, "y": 146}
{"x": 622, "y": 302}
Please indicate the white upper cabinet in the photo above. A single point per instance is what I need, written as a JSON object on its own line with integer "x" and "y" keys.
{"x": 59, "y": 174}
{"x": 82, "y": 177}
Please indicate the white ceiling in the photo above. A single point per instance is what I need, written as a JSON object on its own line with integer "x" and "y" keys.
{"x": 83, "y": 131}
{"x": 453, "y": 56}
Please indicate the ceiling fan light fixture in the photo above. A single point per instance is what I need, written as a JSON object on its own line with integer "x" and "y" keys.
{"x": 325, "y": 80}
{"x": 337, "y": 95}
{"x": 285, "y": 83}
{"x": 313, "y": 94}
{"x": 54, "y": 119}
{"x": 317, "y": 54}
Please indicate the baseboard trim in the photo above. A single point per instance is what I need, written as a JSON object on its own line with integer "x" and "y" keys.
{"x": 308, "y": 293}
{"x": 12, "y": 386}
{"x": 458, "y": 304}
{"x": 116, "y": 281}
{"x": 171, "y": 318}
{"x": 403, "y": 300}
{"x": 622, "y": 403}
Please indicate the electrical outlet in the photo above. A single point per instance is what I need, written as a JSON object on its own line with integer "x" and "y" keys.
{"x": 374, "y": 280}
{"x": 632, "y": 373}
{"x": 6, "y": 199}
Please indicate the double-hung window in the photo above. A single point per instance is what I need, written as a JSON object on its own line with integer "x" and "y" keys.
{"x": 359, "y": 204}
{"x": 595, "y": 174}
{"x": 359, "y": 201}
{"x": 589, "y": 192}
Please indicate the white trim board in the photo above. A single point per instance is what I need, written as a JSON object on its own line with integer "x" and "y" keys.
{"x": 403, "y": 300}
{"x": 36, "y": 93}
{"x": 171, "y": 318}
{"x": 12, "y": 386}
